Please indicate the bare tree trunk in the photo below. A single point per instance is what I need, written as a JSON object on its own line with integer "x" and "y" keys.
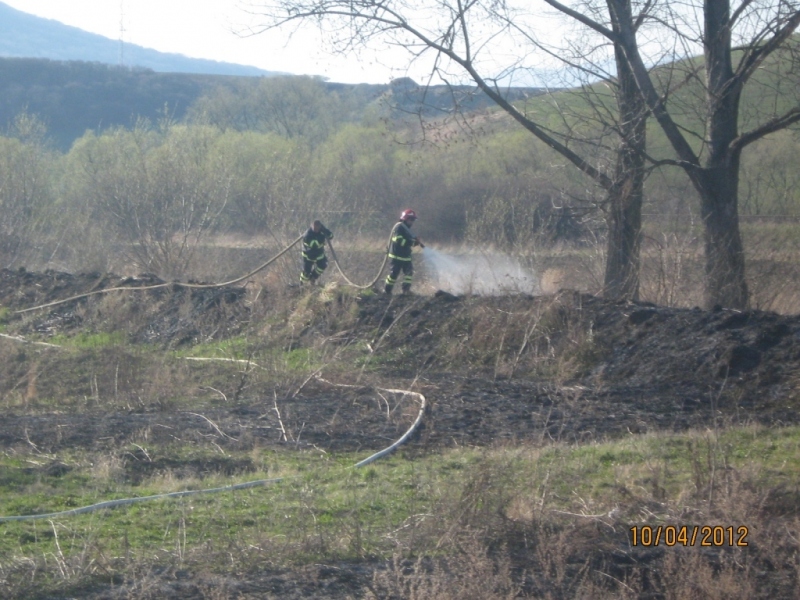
{"x": 624, "y": 217}
{"x": 725, "y": 263}
{"x": 718, "y": 181}
{"x": 624, "y": 221}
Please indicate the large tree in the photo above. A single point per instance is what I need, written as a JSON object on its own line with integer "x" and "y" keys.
{"x": 462, "y": 35}
{"x": 736, "y": 42}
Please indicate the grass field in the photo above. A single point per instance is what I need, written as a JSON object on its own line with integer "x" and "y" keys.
{"x": 546, "y": 465}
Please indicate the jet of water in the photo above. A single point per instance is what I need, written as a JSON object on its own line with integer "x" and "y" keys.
{"x": 484, "y": 274}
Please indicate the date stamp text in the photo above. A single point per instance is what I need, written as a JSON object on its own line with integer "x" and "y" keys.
{"x": 689, "y": 535}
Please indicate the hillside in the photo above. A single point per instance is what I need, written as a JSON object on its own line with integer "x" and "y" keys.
{"x": 73, "y": 81}
{"x": 27, "y": 36}
{"x": 71, "y": 97}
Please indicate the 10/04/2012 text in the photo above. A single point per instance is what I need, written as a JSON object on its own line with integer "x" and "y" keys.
{"x": 689, "y": 535}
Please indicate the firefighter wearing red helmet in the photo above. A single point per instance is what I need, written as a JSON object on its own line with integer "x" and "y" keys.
{"x": 400, "y": 252}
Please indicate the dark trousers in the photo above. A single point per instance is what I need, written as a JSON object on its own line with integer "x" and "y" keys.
{"x": 398, "y": 266}
{"x": 312, "y": 269}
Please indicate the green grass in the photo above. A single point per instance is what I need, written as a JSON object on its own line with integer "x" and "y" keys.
{"x": 88, "y": 341}
{"x": 5, "y": 316}
{"x": 238, "y": 348}
{"x": 319, "y": 499}
{"x": 774, "y": 453}
{"x": 292, "y": 361}
{"x": 325, "y": 510}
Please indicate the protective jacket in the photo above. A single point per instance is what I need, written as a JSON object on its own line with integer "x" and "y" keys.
{"x": 314, "y": 243}
{"x": 402, "y": 242}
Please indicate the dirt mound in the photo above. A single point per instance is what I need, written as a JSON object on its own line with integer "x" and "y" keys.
{"x": 496, "y": 370}
{"x": 722, "y": 360}
{"x": 169, "y": 314}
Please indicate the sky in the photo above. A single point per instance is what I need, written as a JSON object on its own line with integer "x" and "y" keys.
{"x": 206, "y": 29}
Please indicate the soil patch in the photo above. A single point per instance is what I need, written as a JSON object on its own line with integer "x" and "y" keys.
{"x": 496, "y": 371}
{"x": 169, "y": 315}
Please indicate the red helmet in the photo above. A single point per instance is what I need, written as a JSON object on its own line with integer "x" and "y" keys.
{"x": 408, "y": 214}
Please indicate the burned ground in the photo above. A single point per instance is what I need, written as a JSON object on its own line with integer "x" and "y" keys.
{"x": 636, "y": 367}
{"x": 168, "y": 314}
{"x": 496, "y": 371}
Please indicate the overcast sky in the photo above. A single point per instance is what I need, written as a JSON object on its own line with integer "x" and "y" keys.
{"x": 205, "y": 29}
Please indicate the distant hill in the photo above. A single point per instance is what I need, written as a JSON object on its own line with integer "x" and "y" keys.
{"x": 73, "y": 81}
{"x": 71, "y": 97}
{"x": 27, "y": 36}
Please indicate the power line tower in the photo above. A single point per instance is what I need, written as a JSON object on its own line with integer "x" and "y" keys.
{"x": 121, "y": 33}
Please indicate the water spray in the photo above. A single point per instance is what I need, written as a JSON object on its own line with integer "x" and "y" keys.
{"x": 483, "y": 274}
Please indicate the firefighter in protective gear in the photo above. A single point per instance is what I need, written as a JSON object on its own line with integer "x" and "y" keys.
{"x": 400, "y": 252}
{"x": 314, "y": 260}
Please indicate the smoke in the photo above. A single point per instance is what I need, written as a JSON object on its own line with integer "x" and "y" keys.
{"x": 484, "y": 274}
